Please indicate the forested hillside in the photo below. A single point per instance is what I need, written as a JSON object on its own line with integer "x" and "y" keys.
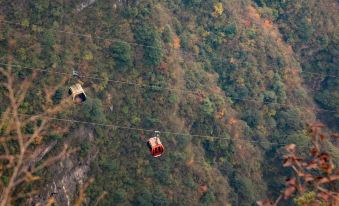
{"x": 228, "y": 83}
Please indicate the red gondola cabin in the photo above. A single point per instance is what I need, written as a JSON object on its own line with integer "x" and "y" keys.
{"x": 154, "y": 145}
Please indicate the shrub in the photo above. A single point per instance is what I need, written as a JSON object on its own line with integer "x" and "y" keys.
{"x": 208, "y": 198}
{"x": 207, "y": 107}
{"x": 122, "y": 54}
{"x": 92, "y": 110}
{"x": 167, "y": 35}
{"x": 57, "y": 97}
{"x": 146, "y": 35}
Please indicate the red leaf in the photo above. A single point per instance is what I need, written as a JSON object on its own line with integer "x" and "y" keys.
{"x": 287, "y": 162}
{"x": 308, "y": 177}
{"x": 265, "y": 203}
{"x": 300, "y": 174}
{"x": 298, "y": 159}
{"x": 326, "y": 166}
{"x": 325, "y": 180}
{"x": 335, "y": 135}
{"x": 312, "y": 165}
{"x": 291, "y": 181}
{"x": 322, "y": 137}
{"x": 324, "y": 196}
{"x": 302, "y": 189}
{"x": 324, "y": 156}
{"x": 314, "y": 151}
{"x": 317, "y": 125}
{"x": 334, "y": 177}
{"x": 335, "y": 198}
{"x": 289, "y": 191}
{"x": 290, "y": 148}
{"x": 329, "y": 168}
{"x": 203, "y": 188}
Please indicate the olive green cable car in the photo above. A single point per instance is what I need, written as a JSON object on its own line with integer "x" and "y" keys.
{"x": 78, "y": 93}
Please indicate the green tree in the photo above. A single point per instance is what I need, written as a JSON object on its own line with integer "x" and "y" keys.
{"x": 159, "y": 198}
{"x": 231, "y": 30}
{"x": 92, "y": 110}
{"x": 144, "y": 198}
{"x": 246, "y": 189}
{"x": 289, "y": 121}
{"x": 269, "y": 97}
{"x": 253, "y": 117}
{"x": 207, "y": 107}
{"x": 122, "y": 54}
{"x": 57, "y": 97}
{"x": 120, "y": 196}
{"x": 147, "y": 35}
{"x": 208, "y": 198}
{"x": 167, "y": 34}
{"x": 192, "y": 3}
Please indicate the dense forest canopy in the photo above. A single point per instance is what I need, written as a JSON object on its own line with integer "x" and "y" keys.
{"x": 228, "y": 83}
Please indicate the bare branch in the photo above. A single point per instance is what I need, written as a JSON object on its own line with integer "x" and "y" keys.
{"x": 62, "y": 155}
{"x": 20, "y": 163}
{"x": 101, "y": 197}
{"x": 24, "y": 88}
{"x": 25, "y": 195}
{"x": 49, "y": 91}
{"x": 37, "y": 132}
{"x": 7, "y": 191}
{"x": 7, "y": 139}
{"x": 49, "y": 112}
{"x": 82, "y": 193}
{"x": 316, "y": 173}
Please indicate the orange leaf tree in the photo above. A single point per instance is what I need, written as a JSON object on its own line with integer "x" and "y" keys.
{"x": 22, "y": 157}
{"x": 315, "y": 177}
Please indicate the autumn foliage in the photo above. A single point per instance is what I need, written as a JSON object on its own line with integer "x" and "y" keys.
{"x": 314, "y": 176}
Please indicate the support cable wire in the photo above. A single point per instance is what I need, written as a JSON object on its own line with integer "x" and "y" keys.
{"x": 161, "y": 88}
{"x": 143, "y": 85}
{"x": 137, "y": 44}
{"x": 95, "y": 124}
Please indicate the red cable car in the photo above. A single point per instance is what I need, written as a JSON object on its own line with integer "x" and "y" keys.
{"x": 154, "y": 145}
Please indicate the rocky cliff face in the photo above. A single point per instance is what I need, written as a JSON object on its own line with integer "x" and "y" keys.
{"x": 67, "y": 176}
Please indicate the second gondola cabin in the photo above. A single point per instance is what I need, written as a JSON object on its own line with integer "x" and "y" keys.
{"x": 78, "y": 93}
{"x": 155, "y": 146}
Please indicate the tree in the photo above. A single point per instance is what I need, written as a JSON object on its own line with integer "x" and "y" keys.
{"x": 27, "y": 145}
{"x": 253, "y": 118}
{"x": 314, "y": 176}
{"x": 192, "y": 3}
{"x": 57, "y": 97}
{"x": 167, "y": 34}
{"x": 246, "y": 189}
{"x": 289, "y": 120}
{"x": 159, "y": 198}
{"x": 207, "y": 107}
{"x": 147, "y": 35}
{"x": 269, "y": 97}
{"x": 231, "y": 30}
{"x": 122, "y": 54}
{"x": 208, "y": 198}
{"x": 93, "y": 111}
{"x": 22, "y": 157}
{"x": 218, "y": 9}
{"x": 144, "y": 198}
{"x": 120, "y": 196}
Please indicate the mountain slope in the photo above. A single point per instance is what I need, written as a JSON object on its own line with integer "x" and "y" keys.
{"x": 218, "y": 70}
